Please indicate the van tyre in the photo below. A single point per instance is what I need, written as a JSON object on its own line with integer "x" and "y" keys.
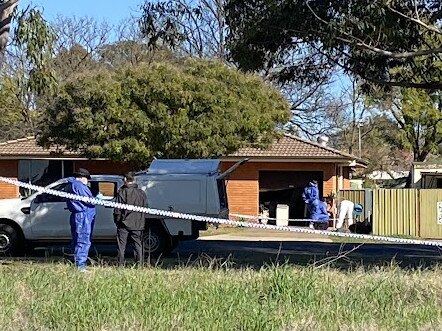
{"x": 10, "y": 241}
{"x": 156, "y": 242}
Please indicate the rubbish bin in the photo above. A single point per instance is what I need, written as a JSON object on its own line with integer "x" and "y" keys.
{"x": 282, "y": 215}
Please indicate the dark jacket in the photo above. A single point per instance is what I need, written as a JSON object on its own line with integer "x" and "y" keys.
{"x": 78, "y": 188}
{"x": 130, "y": 194}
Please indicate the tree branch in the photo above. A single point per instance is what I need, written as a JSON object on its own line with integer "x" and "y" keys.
{"x": 417, "y": 21}
{"x": 359, "y": 43}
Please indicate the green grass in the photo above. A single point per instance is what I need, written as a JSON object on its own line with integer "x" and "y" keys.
{"x": 56, "y": 297}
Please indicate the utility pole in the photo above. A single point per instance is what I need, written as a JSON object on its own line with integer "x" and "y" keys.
{"x": 360, "y": 123}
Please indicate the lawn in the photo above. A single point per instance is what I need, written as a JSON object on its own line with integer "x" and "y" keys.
{"x": 55, "y": 297}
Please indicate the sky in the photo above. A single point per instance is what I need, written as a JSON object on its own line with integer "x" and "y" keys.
{"x": 112, "y": 11}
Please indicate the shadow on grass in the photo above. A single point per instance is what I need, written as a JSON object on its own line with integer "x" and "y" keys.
{"x": 256, "y": 254}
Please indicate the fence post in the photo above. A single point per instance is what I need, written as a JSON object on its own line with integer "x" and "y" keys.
{"x": 418, "y": 212}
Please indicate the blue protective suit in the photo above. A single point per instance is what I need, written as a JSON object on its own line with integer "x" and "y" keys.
{"x": 319, "y": 212}
{"x": 82, "y": 221}
{"x": 311, "y": 193}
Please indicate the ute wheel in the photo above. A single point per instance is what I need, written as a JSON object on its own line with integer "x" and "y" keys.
{"x": 156, "y": 242}
{"x": 10, "y": 242}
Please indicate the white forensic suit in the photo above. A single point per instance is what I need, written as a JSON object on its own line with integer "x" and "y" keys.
{"x": 345, "y": 212}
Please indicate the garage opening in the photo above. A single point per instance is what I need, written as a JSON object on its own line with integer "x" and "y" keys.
{"x": 286, "y": 187}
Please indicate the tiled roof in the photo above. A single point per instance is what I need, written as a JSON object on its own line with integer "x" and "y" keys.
{"x": 289, "y": 146}
{"x": 28, "y": 147}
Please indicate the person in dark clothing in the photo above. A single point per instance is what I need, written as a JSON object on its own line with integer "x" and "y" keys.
{"x": 130, "y": 223}
{"x": 82, "y": 217}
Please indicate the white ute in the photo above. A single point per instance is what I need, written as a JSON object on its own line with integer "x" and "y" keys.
{"x": 188, "y": 186}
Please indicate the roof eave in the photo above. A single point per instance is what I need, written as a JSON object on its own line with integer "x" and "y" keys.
{"x": 320, "y": 159}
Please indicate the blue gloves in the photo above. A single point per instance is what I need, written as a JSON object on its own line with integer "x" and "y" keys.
{"x": 99, "y": 196}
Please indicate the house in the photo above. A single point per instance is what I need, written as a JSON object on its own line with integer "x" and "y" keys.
{"x": 275, "y": 175}
{"x": 426, "y": 174}
{"x": 23, "y": 159}
{"x": 278, "y": 174}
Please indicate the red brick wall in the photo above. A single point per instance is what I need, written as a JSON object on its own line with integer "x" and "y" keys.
{"x": 8, "y": 168}
{"x": 346, "y": 175}
{"x": 243, "y": 184}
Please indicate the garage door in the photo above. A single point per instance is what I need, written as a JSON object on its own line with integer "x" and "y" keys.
{"x": 286, "y": 187}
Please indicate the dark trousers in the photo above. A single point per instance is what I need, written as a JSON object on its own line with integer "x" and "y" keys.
{"x": 137, "y": 239}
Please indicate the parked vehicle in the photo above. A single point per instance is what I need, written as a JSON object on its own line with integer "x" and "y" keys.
{"x": 187, "y": 186}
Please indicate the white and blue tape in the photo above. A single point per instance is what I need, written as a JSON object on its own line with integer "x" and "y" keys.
{"x": 171, "y": 214}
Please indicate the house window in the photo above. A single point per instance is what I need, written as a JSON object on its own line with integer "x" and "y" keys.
{"x": 439, "y": 183}
{"x": 42, "y": 172}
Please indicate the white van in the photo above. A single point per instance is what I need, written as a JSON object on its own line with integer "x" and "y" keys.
{"x": 187, "y": 186}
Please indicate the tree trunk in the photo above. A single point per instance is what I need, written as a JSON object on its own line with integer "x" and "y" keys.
{"x": 6, "y": 9}
{"x": 417, "y": 157}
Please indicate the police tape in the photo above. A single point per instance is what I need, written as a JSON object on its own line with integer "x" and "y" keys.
{"x": 214, "y": 220}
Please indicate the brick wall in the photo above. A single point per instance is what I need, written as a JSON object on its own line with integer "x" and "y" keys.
{"x": 243, "y": 184}
{"x": 8, "y": 168}
{"x": 346, "y": 175}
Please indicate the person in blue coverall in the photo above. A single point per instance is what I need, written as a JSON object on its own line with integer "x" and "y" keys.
{"x": 82, "y": 217}
{"x": 315, "y": 207}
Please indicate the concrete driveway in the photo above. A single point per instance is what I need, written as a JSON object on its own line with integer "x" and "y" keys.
{"x": 250, "y": 234}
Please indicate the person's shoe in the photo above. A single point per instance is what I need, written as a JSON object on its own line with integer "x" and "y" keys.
{"x": 311, "y": 226}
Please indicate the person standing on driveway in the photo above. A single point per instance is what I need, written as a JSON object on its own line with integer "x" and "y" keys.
{"x": 311, "y": 199}
{"x": 82, "y": 217}
{"x": 130, "y": 223}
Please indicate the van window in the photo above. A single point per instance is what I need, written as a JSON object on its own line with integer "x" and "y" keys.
{"x": 222, "y": 194}
{"x": 108, "y": 189}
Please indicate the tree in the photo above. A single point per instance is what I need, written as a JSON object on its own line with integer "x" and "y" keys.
{"x": 380, "y": 42}
{"x": 316, "y": 111}
{"x": 196, "y": 28}
{"x": 199, "y": 29}
{"x": 196, "y": 109}
{"x": 26, "y": 73}
{"x": 12, "y": 125}
{"x": 7, "y": 8}
{"x": 381, "y": 143}
{"x": 418, "y": 114}
{"x": 78, "y": 43}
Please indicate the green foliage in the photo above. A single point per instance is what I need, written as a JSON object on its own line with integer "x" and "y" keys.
{"x": 27, "y": 75}
{"x": 37, "y": 39}
{"x": 196, "y": 109}
{"x": 369, "y": 183}
{"x": 422, "y": 117}
{"x": 418, "y": 116}
{"x": 373, "y": 40}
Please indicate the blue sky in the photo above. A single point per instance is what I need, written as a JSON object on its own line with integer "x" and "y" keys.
{"x": 112, "y": 11}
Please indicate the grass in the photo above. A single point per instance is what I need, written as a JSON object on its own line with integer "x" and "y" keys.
{"x": 56, "y": 297}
